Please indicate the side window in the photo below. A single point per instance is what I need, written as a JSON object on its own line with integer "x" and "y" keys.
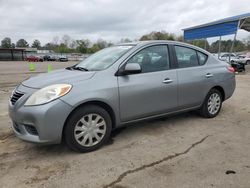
{"x": 151, "y": 59}
{"x": 186, "y": 57}
{"x": 202, "y": 58}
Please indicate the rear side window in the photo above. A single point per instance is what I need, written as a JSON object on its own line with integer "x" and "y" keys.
{"x": 202, "y": 58}
{"x": 186, "y": 57}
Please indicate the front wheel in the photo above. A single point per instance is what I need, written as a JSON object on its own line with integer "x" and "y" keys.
{"x": 212, "y": 104}
{"x": 88, "y": 128}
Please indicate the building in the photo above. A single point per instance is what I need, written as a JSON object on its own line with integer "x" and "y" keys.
{"x": 28, "y": 50}
{"x": 10, "y": 54}
{"x": 45, "y": 51}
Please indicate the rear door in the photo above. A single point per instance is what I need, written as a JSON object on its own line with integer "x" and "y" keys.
{"x": 193, "y": 76}
{"x": 151, "y": 92}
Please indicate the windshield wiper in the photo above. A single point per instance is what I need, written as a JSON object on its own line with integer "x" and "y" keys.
{"x": 70, "y": 67}
{"x": 79, "y": 68}
{"x": 74, "y": 67}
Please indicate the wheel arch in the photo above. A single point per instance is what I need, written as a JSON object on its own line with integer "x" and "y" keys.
{"x": 101, "y": 104}
{"x": 221, "y": 90}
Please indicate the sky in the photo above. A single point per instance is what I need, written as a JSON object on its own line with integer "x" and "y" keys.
{"x": 110, "y": 20}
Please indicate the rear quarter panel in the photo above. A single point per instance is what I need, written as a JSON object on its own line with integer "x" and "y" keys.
{"x": 222, "y": 77}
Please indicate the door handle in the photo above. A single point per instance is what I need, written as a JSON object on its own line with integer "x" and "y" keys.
{"x": 209, "y": 75}
{"x": 167, "y": 81}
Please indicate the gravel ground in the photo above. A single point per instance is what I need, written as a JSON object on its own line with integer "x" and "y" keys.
{"x": 179, "y": 151}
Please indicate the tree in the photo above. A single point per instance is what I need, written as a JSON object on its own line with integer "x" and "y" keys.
{"x": 246, "y": 41}
{"x": 101, "y": 43}
{"x": 158, "y": 35}
{"x": 55, "y": 40}
{"x": 93, "y": 49}
{"x": 145, "y": 37}
{"x": 66, "y": 40}
{"x": 36, "y": 44}
{"x": 126, "y": 40}
{"x": 110, "y": 44}
{"x": 13, "y": 45}
{"x": 73, "y": 44}
{"x": 22, "y": 43}
{"x": 226, "y": 46}
{"x": 239, "y": 46}
{"x": 50, "y": 46}
{"x": 62, "y": 48}
{"x": 6, "y": 43}
{"x": 82, "y": 46}
{"x": 180, "y": 38}
{"x": 200, "y": 43}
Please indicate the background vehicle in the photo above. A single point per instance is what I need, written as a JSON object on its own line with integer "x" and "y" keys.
{"x": 34, "y": 58}
{"x": 226, "y": 56}
{"x": 62, "y": 59}
{"x": 238, "y": 67}
{"x": 49, "y": 58}
{"x": 122, "y": 84}
{"x": 244, "y": 59}
{"x": 238, "y": 62}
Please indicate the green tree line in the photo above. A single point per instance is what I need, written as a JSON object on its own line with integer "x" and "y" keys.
{"x": 68, "y": 45}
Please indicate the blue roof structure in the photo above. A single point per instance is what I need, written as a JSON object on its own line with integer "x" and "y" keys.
{"x": 226, "y": 26}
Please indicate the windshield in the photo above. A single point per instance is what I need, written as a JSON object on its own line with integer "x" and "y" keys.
{"x": 104, "y": 58}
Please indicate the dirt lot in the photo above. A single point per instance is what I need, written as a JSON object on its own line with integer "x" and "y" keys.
{"x": 181, "y": 151}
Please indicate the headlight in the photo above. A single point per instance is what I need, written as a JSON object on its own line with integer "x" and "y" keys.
{"x": 48, "y": 94}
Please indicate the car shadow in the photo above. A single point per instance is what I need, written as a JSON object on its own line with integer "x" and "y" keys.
{"x": 61, "y": 149}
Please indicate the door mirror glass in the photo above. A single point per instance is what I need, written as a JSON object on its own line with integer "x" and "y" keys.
{"x": 132, "y": 68}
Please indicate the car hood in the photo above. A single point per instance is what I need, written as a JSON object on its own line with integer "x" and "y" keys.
{"x": 62, "y": 76}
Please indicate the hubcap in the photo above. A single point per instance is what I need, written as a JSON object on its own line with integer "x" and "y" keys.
{"x": 214, "y": 103}
{"x": 90, "y": 130}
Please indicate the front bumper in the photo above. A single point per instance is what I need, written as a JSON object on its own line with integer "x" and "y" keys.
{"x": 38, "y": 124}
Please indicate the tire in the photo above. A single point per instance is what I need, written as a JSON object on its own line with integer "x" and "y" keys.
{"x": 248, "y": 62}
{"x": 78, "y": 134}
{"x": 206, "y": 110}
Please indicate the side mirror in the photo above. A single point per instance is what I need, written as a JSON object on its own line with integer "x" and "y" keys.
{"x": 131, "y": 68}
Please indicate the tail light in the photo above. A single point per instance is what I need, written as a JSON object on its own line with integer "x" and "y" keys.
{"x": 230, "y": 69}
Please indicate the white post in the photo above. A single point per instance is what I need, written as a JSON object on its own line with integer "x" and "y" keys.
{"x": 219, "y": 48}
{"x": 231, "y": 51}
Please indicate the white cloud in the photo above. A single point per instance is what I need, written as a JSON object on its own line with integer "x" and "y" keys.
{"x": 108, "y": 19}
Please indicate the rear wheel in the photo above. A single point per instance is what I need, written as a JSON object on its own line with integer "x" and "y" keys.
{"x": 88, "y": 128}
{"x": 212, "y": 104}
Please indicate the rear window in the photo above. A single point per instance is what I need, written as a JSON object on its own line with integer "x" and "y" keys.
{"x": 202, "y": 58}
{"x": 186, "y": 57}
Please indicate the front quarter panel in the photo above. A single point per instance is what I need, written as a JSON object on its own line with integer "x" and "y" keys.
{"x": 102, "y": 87}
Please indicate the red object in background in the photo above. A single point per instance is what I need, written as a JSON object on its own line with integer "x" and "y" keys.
{"x": 34, "y": 58}
{"x": 231, "y": 69}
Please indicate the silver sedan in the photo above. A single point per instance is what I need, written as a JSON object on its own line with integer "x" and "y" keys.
{"x": 118, "y": 85}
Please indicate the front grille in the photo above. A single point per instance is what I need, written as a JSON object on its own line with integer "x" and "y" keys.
{"x": 31, "y": 129}
{"x": 15, "y": 96}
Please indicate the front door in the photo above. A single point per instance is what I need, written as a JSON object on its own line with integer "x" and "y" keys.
{"x": 151, "y": 92}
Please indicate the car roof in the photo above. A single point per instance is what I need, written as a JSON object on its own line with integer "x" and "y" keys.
{"x": 149, "y": 42}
